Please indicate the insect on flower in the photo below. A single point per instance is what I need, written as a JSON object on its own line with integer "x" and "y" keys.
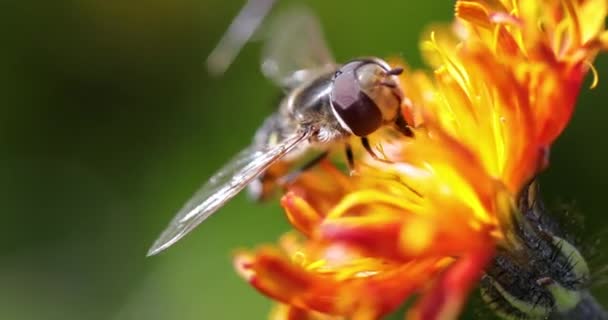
{"x": 324, "y": 103}
{"x": 444, "y": 214}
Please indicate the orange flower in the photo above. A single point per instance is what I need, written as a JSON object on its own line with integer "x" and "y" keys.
{"x": 335, "y": 277}
{"x": 506, "y": 78}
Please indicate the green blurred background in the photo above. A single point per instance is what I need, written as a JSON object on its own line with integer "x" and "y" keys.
{"x": 109, "y": 122}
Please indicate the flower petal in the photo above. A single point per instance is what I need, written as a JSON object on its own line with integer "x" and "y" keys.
{"x": 366, "y": 296}
{"x": 301, "y": 215}
{"x": 448, "y": 293}
{"x": 287, "y": 312}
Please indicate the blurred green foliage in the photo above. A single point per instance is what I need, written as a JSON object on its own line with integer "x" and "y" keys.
{"x": 109, "y": 122}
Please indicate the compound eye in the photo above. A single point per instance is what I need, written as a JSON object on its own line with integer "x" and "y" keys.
{"x": 355, "y": 110}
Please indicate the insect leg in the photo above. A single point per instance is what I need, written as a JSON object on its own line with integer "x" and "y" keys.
{"x": 402, "y": 126}
{"x": 296, "y": 173}
{"x": 261, "y": 188}
{"x": 350, "y": 158}
{"x": 368, "y": 148}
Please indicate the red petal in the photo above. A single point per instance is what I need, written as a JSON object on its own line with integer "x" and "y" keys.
{"x": 352, "y": 296}
{"x": 445, "y": 299}
{"x": 300, "y": 214}
{"x": 287, "y": 312}
{"x": 404, "y": 238}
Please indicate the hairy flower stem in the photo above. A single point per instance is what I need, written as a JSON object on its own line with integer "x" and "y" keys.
{"x": 587, "y": 309}
{"x": 544, "y": 276}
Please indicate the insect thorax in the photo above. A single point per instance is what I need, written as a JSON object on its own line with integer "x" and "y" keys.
{"x": 310, "y": 105}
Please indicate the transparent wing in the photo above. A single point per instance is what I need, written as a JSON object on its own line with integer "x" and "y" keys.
{"x": 295, "y": 48}
{"x": 222, "y": 187}
{"x": 241, "y": 30}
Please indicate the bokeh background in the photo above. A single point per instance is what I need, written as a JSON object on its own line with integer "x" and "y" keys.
{"x": 109, "y": 121}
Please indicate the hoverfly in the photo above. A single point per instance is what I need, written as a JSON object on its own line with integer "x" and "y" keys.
{"x": 324, "y": 103}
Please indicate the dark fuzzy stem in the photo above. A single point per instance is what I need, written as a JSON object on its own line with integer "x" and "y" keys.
{"x": 587, "y": 309}
{"x": 542, "y": 272}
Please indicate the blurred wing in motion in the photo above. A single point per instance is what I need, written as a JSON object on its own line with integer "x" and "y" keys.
{"x": 295, "y": 48}
{"x": 222, "y": 187}
{"x": 240, "y": 32}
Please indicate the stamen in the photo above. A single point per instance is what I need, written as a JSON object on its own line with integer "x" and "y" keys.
{"x": 576, "y": 27}
{"x": 367, "y": 196}
{"x": 596, "y": 76}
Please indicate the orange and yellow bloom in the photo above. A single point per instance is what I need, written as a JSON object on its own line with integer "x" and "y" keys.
{"x": 506, "y": 77}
